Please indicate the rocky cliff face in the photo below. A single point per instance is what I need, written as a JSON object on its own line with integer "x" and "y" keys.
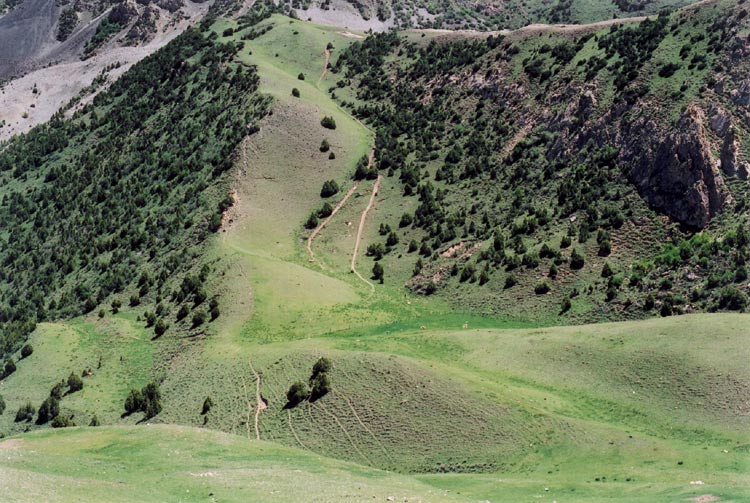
{"x": 684, "y": 179}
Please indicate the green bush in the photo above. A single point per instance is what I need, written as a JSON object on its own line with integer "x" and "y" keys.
{"x": 326, "y": 210}
{"x": 75, "y": 383}
{"x": 2, "y": 405}
{"x": 330, "y": 188}
{"x": 61, "y": 421}
{"x": 199, "y": 319}
{"x": 49, "y": 409}
{"x": 378, "y": 272}
{"x": 160, "y": 327}
{"x": 325, "y": 147}
{"x": 297, "y": 393}
{"x": 25, "y": 412}
{"x": 295, "y": 92}
{"x": 207, "y": 404}
{"x": 541, "y": 288}
{"x": 577, "y": 260}
{"x": 732, "y": 298}
{"x": 328, "y": 122}
{"x": 26, "y": 350}
{"x": 312, "y": 221}
{"x": 320, "y": 386}
{"x": 133, "y": 402}
{"x": 9, "y": 368}
{"x": 565, "y": 305}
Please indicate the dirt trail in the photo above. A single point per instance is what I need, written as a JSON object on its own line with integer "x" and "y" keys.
{"x": 363, "y": 425}
{"x": 362, "y": 221}
{"x": 289, "y": 420}
{"x": 325, "y": 66}
{"x": 520, "y": 135}
{"x": 344, "y": 430}
{"x": 249, "y": 405}
{"x": 328, "y": 219}
{"x": 260, "y": 404}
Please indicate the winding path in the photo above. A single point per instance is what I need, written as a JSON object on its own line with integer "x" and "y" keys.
{"x": 362, "y": 221}
{"x": 260, "y": 404}
{"x": 319, "y": 228}
{"x": 325, "y": 67}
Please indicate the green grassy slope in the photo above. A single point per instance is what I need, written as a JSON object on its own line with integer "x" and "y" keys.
{"x": 172, "y": 463}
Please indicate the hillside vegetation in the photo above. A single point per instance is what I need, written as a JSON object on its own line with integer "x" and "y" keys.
{"x": 595, "y": 174}
{"x": 290, "y": 160}
{"x": 110, "y": 204}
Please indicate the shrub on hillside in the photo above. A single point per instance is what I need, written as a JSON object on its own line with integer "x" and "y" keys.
{"x": 62, "y": 421}
{"x": 320, "y": 386}
{"x": 25, "y": 412}
{"x": 160, "y": 327}
{"x": 326, "y": 210}
{"x": 328, "y": 122}
{"x": 49, "y": 409}
{"x": 541, "y": 288}
{"x": 75, "y": 383}
{"x": 199, "y": 319}
{"x": 576, "y": 259}
{"x": 207, "y": 404}
{"x": 2, "y": 405}
{"x": 732, "y": 298}
{"x": 378, "y": 272}
{"x": 330, "y": 188}
{"x": 297, "y": 393}
{"x": 26, "y": 350}
{"x": 9, "y": 368}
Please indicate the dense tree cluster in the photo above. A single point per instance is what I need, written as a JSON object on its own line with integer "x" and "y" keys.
{"x": 441, "y": 123}
{"x": 123, "y": 189}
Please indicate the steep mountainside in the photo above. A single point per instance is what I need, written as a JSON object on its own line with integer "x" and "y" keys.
{"x": 601, "y": 171}
{"x": 370, "y": 256}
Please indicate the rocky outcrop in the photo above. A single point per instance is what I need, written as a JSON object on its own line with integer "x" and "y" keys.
{"x": 123, "y": 13}
{"x": 683, "y": 179}
{"x": 171, "y": 5}
{"x": 145, "y": 25}
{"x": 731, "y": 164}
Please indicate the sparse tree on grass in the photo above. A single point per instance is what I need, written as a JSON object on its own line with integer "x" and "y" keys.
{"x": 576, "y": 259}
{"x": 9, "y": 368}
{"x": 160, "y": 327}
{"x": 199, "y": 319}
{"x": 330, "y": 188}
{"x": 312, "y": 221}
{"x": 133, "y": 402}
{"x": 49, "y": 409}
{"x": 328, "y": 122}
{"x": 25, "y": 412}
{"x": 207, "y": 404}
{"x": 321, "y": 385}
{"x": 297, "y": 393}
{"x": 378, "y": 272}
{"x": 75, "y": 383}
{"x": 26, "y": 350}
